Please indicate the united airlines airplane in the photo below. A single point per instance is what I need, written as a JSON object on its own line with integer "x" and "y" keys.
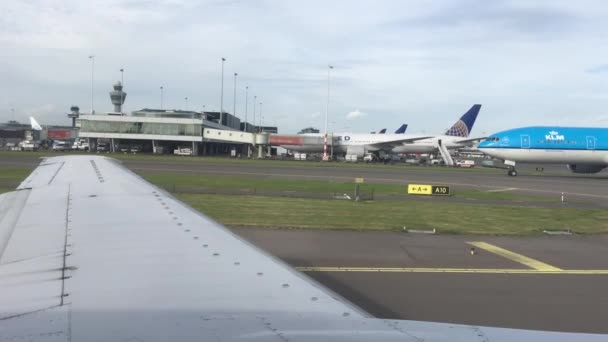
{"x": 583, "y": 149}
{"x": 89, "y": 251}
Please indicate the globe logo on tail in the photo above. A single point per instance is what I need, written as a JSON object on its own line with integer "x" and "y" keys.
{"x": 459, "y": 129}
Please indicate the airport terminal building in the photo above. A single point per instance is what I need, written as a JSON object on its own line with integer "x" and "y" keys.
{"x": 163, "y": 131}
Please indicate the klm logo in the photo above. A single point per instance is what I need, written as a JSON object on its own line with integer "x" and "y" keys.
{"x": 553, "y": 135}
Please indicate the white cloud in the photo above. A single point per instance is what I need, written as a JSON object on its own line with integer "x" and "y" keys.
{"x": 356, "y": 114}
{"x": 423, "y": 63}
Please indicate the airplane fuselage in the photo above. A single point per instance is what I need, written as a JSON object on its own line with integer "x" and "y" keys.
{"x": 313, "y": 143}
{"x": 560, "y": 145}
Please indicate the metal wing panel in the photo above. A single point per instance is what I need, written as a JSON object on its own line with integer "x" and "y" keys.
{"x": 44, "y": 174}
{"x": 32, "y": 261}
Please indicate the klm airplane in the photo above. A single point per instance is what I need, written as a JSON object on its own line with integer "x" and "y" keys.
{"x": 584, "y": 150}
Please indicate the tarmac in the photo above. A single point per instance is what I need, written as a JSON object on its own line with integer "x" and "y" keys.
{"x": 436, "y": 278}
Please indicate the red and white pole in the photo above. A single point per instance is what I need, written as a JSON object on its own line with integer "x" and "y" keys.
{"x": 329, "y": 67}
{"x": 325, "y": 147}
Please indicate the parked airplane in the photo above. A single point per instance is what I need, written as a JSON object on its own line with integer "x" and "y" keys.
{"x": 35, "y": 125}
{"x": 451, "y": 139}
{"x": 582, "y": 149}
{"x": 361, "y": 144}
{"x": 76, "y": 264}
{"x": 401, "y": 129}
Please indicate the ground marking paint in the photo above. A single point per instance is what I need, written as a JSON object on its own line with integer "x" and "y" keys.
{"x": 522, "y": 259}
{"x": 501, "y": 190}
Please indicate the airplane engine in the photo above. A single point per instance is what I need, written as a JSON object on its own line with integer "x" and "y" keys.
{"x": 359, "y": 151}
{"x": 586, "y": 168}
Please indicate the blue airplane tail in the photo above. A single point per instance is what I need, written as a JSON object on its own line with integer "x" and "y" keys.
{"x": 463, "y": 127}
{"x": 401, "y": 129}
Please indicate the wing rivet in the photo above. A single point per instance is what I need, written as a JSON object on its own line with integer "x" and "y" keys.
{"x": 314, "y": 299}
{"x": 205, "y": 246}
{"x": 179, "y": 223}
{"x": 195, "y": 238}
{"x": 260, "y": 274}
{"x": 92, "y": 195}
{"x": 236, "y": 263}
{"x": 187, "y": 230}
{"x": 216, "y": 254}
{"x": 285, "y": 285}
{"x": 345, "y": 314}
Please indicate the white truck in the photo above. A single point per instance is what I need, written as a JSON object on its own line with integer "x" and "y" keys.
{"x": 28, "y": 145}
{"x": 465, "y": 163}
{"x": 183, "y": 151}
{"x": 80, "y": 144}
{"x": 59, "y": 145}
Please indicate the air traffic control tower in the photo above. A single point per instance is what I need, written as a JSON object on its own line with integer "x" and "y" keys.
{"x": 118, "y": 98}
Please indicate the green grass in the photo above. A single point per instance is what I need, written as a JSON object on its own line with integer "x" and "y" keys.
{"x": 189, "y": 183}
{"x": 256, "y": 211}
{"x": 10, "y": 177}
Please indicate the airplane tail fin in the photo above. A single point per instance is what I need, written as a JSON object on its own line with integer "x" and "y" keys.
{"x": 382, "y": 131}
{"x": 35, "y": 125}
{"x": 463, "y": 127}
{"x": 401, "y": 129}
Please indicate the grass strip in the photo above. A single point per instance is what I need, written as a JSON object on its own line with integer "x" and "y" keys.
{"x": 258, "y": 211}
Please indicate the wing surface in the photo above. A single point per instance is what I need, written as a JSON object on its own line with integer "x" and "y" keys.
{"x": 464, "y": 141}
{"x": 92, "y": 252}
{"x": 397, "y": 142}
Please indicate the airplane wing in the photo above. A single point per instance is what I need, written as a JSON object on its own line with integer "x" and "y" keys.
{"x": 89, "y": 251}
{"x": 464, "y": 141}
{"x": 388, "y": 145}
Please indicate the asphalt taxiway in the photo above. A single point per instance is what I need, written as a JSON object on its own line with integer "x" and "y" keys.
{"x": 545, "y": 283}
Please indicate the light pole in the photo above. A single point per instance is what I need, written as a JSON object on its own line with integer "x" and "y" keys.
{"x": 161, "y": 97}
{"x": 246, "y": 100}
{"x": 254, "y": 99}
{"x": 13, "y": 113}
{"x": 92, "y": 58}
{"x": 122, "y": 82}
{"x": 186, "y": 99}
{"x": 326, "y": 114}
{"x": 222, "y": 94}
{"x": 260, "y": 117}
{"x": 234, "y": 99}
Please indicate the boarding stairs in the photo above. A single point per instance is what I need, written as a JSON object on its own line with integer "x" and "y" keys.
{"x": 445, "y": 154}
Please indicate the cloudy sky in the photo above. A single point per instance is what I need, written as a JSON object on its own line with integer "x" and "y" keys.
{"x": 418, "y": 62}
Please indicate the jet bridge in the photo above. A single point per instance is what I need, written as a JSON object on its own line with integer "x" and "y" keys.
{"x": 256, "y": 140}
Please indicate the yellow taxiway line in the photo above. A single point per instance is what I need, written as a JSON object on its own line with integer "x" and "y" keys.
{"x": 535, "y": 266}
{"x": 451, "y": 270}
{"x": 522, "y": 259}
